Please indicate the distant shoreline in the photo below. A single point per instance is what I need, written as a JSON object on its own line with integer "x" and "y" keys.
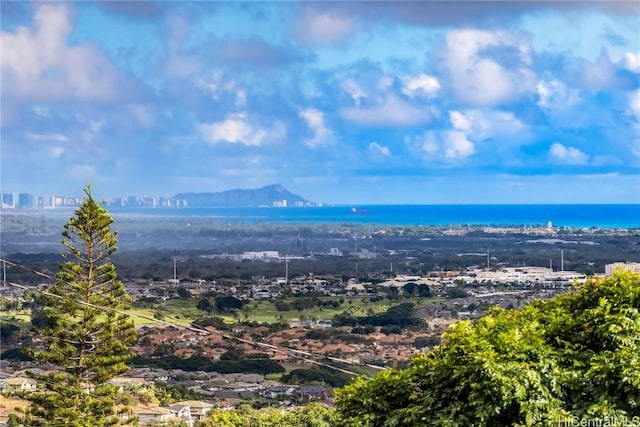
{"x": 605, "y": 216}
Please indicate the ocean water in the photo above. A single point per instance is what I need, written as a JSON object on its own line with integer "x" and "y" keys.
{"x": 580, "y": 216}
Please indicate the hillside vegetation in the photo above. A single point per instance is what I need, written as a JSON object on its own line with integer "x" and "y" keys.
{"x": 567, "y": 360}
{"x": 571, "y": 360}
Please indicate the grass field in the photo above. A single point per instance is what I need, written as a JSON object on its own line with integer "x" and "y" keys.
{"x": 183, "y": 312}
{"x": 178, "y": 311}
{"x": 265, "y": 311}
{"x": 21, "y": 319}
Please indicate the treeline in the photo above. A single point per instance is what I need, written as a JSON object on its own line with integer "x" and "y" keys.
{"x": 210, "y": 302}
{"x": 317, "y": 375}
{"x": 326, "y": 334}
{"x": 401, "y": 316}
{"x": 256, "y": 365}
{"x": 302, "y": 303}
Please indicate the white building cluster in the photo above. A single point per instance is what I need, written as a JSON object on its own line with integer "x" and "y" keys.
{"x": 526, "y": 275}
{"x": 260, "y": 255}
{"x": 633, "y": 267}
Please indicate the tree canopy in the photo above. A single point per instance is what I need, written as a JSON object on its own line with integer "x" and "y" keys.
{"x": 86, "y": 334}
{"x": 557, "y": 362}
{"x": 311, "y": 415}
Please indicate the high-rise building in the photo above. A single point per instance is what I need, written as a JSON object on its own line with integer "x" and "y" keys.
{"x": 9, "y": 200}
{"x": 26, "y": 200}
{"x": 46, "y": 202}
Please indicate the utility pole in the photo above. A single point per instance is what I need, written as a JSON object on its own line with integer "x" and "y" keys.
{"x": 175, "y": 277}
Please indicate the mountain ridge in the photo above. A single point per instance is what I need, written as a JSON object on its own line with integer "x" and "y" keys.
{"x": 269, "y": 195}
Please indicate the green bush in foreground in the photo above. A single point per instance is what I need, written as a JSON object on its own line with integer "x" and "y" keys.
{"x": 570, "y": 359}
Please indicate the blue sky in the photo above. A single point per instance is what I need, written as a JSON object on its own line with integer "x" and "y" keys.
{"x": 340, "y": 102}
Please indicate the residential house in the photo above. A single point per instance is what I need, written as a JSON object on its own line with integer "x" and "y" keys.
{"x": 14, "y": 384}
{"x": 155, "y": 414}
{"x": 279, "y": 392}
{"x": 198, "y": 409}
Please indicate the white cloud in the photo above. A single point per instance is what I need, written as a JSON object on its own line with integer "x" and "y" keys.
{"x": 599, "y": 74}
{"x": 448, "y": 145}
{"x": 483, "y": 124}
{"x": 384, "y": 83}
{"x": 214, "y": 85}
{"x": 91, "y": 129}
{"x": 218, "y": 85}
{"x": 430, "y": 145}
{"x": 633, "y": 109}
{"x": 315, "y": 122}
{"x": 633, "y": 106}
{"x": 37, "y": 63}
{"x": 235, "y": 129}
{"x": 421, "y": 84}
{"x": 41, "y": 111}
{"x": 457, "y": 145}
{"x": 95, "y": 126}
{"x": 460, "y": 121}
{"x": 47, "y": 137}
{"x": 56, "y": 152}
{"x": 378, "y": 149}
{"x": 484, "y": 80}
{"x": 323, "y": 27}
{"x": 568, "y": 154}
{"x": 631, "y": 61}
{"x": 555, "y": 95}
{"x": 354, "y": 90}
{"x": 390, "y": 111}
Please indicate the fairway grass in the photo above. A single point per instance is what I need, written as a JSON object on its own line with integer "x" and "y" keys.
{"x": 183, "y": 312}
{"x": 21, "y": 319}
{"x": 265, "y": 311}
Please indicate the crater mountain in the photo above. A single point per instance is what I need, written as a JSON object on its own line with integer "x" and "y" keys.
{"x": 270, "y": 195}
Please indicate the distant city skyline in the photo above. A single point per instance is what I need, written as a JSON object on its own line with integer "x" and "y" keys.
{"x": 425, "y": 102}
{"x": 49, "y": 201}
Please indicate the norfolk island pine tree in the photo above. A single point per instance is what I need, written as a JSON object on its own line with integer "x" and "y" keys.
{"x": 87, "y": 336}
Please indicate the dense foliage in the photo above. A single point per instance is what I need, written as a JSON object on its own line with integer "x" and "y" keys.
{"x": 317, "y": 375}
{"x": 570, "y": 359}
{"x": 221, "y": 303}
{"x": 7, "y": 331}
{"x": 401, "y": 315}
{"x": 86, "y": 335}
{"x": 312, "y": 415}
{"x": 168, "y": 394}
{"x": 201, "y": 363}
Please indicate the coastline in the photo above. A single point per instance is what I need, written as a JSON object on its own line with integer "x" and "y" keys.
{"x": 606, "y": 216}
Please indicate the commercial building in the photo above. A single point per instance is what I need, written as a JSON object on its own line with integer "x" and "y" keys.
{"x": 633, "y": 267}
